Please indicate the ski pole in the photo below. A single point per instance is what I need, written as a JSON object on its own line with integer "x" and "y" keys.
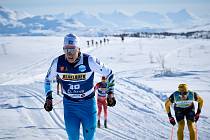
{"x": 172, "y": 133}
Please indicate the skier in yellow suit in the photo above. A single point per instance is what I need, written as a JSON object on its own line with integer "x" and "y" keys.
{"x": 184, "y": 107}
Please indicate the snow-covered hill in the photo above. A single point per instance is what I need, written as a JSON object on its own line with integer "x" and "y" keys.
{"x": 87, "y": 19}
{"x": 141, "y": 86}
{"x": 117, "y": 18}
{"x": 150, "y": 17}
{"x": 180, "y": 17}
{"x": 84, "y": 23}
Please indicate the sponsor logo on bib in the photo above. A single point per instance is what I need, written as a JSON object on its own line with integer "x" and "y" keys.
{"x": 75, "y": 77}
{"x": 82, "y": 68}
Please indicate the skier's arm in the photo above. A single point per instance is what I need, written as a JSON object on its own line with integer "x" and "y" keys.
{"x": 51, "y": 74}
{"x": 199, "y": 100}
{"x": 168, "y": 104}
{"x": 100, "y": 68}
{"x": 96, "y": 87}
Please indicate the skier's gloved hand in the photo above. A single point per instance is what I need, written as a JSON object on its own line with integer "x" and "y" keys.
{"x": 111, "y": 101}
{"x": 48, "y": 103}
{"x": 197, "y": 115}
{"x": 171, "y": 119}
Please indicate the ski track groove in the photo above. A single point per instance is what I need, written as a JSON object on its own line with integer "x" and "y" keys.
{"x": 15, "y": 91}
{"x": 117, "y": 133}
{"x": 55, "y": 117}
{"x": 140, "y": 126}
{"x": 145, "y": 88}
{"x": 133, "y": 106}
{"x": 152, "y": 110}
{"x": 145, "y": 130}
{"x": 128, "y": 98}
{"x": 127, "y": 122}
{"x": 109, "y": 132}
{"x": 120, "y": 135}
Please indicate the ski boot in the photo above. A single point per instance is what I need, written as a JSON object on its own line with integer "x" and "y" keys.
{"x": 105, "y": 123}
{"x": 98, "y": 124}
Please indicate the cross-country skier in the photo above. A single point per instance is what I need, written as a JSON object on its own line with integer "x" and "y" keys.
{"x": 184, "y": 107}
{"x": 76, "y": 72}
{"x": 102, "y": 91}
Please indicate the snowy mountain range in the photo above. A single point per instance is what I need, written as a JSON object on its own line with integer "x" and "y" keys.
{"x": 17, "y": 23}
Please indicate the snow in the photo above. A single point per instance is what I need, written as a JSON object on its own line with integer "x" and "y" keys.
{"x": 142, "y": 85}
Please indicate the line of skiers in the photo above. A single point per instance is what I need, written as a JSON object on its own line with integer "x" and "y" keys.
{"x": 101, "y": 41}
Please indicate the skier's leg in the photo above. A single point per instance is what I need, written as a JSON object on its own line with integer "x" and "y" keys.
{"x": 89, "y": 127}
{"x": 191, "y": 124}
{"x": 89, "y": 117}
{"x": 105, "y": 110}
{"x": 99, "y": 113}
{"x": 180, "y": 132}
{"x": 181, "y": 123}
{"x": 72, "y": 123}
{"x": 191, "y": 127}
{"x": 105, "y": 113}
{"x": 99, "y": 109}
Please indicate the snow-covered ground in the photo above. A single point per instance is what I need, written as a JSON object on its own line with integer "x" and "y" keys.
{"x": 146, "y": 71}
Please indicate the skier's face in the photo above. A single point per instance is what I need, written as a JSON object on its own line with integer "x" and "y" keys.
{"x": 103, "y": 79}
{"x": 71, "y": 53}
{"x": 183, "y": 90}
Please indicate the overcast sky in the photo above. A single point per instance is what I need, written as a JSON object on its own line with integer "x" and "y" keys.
{"x": 37, "y": 7}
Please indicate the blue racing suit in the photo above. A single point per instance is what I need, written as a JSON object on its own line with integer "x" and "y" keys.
{"x": 77, "y": 82}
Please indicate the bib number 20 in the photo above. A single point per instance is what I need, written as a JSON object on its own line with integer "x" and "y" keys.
{"x": 72, "y": 87}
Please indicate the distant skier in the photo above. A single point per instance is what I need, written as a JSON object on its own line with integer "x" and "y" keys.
{"x": 92, "y": 42}
{"x": 88, "y": 43}
{"x": 96, "y": 43}
{"x": 102, "y": 92}
{"x": 184, "y": 107}
{"x": 76, "y": 72}
{"x": 107, "y": 40}
{"x": 122, "y": 38}
{"x": 101, "y": 42}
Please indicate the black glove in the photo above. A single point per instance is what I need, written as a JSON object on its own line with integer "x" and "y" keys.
{"x": 197, "y": 115}
{"x": 172, "y": 121}
{"x": 48, "y": 103}
{"x": 111, "y": 101}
